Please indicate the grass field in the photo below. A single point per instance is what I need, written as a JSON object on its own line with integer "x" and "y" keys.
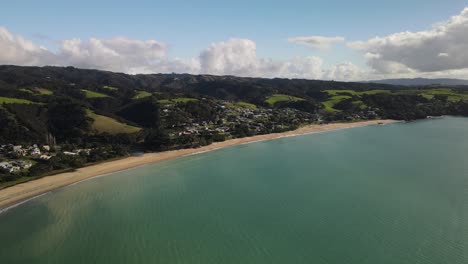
{"x": 40, "y": 91}
{"x": 141, "y": 94}
{"x": 361, "y": 104}
{"x": 331, "y": 102}
{"x": 104, "y": 124}
{"x": 352, "y": 92}
{"x": 92, "y": 94}
{"x": 338, "y": 95}
{"x": 110, "y": 88}
{"x": 430, "y": 93}
{"x": 246, "y": 105}
{"x": 177, "y": 100}
{"x": 26, "y": 91}
{"x": 8, "y": 100}
{"x": 273, "y": 99}
{"x": 43, "y": 91}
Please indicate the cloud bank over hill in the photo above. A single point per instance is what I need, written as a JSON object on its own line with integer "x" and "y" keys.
{"x": 441, "y": 49}
{"x": 437, "y": 52}
{"x": 231, "y": 57}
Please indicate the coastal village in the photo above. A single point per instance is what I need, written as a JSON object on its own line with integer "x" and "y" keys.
{"x": 256, "y": 120}
{"x": 19, "y": 158}
{"x": 231, "y": 120}
{"x": 230, "y": 115}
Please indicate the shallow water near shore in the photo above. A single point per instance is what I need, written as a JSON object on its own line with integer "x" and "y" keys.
{"x": 380, "y": 194}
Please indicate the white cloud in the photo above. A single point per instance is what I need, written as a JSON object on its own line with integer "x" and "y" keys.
{"x": 232, "y": 57}
{"x": 116, "y": 54}
{"x": 236, "y": 57}
{"x": 438, "y": 49}
{"x": 17, "y": 50}
{"x": 439, "y": 52}
{"x": 346, "y": 71}
{"x": 318, "y": 42}
{"x": 239, "y": 57}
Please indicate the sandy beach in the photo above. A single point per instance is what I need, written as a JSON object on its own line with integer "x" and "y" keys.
{"x": 22, "y": 192}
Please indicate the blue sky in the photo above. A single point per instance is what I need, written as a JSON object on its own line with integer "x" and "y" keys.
{"x": 189, "y": 27}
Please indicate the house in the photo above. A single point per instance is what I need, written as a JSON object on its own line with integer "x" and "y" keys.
{"x": 22, "y": 164}
{"x": 4, "y": 165}
{"x": 17, "y": 147}
{"x": 45, "y": 157}
{"x": 35, "y": 151}
{"x": 15, "y": 166}
{"x": 86, "y": 151}
{"x": 18, "y": 150}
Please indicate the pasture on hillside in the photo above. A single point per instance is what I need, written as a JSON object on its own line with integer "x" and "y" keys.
{"x": 105, "y": 124}
{"x": 93, "y": 94}
{"x": 276, "y": 98}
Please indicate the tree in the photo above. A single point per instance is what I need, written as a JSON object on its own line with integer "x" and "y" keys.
{"x": 143, "y": 112}
{"x": 157, "y": 140}
{"x": 67, "y": 120}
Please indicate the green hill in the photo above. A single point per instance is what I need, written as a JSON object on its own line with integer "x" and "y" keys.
{"x": 104, "y": 124}
{"x": 276, "y": 98}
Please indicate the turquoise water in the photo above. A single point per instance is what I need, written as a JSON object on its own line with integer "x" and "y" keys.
{"x": 380, "y": 194}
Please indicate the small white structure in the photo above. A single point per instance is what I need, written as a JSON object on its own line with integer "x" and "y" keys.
{"x": 45, "y": 157}
{"x": 35, "y": 152}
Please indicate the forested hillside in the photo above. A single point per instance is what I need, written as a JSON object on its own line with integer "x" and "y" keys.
{"x": 105, "y": 114}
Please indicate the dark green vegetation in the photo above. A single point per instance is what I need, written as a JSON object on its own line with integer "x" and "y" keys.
{"x": 113, "y": 114}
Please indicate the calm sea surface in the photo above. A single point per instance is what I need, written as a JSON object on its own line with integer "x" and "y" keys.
{"x": 380, "y": 194}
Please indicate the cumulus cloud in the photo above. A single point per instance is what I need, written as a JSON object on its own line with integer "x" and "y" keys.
{"x": 239, "y": 57}
{"x": 437, "y": 52}
{"x": 346, "y": 71}
{"x": 440, "y": 48}
{"x": 117, "y": 54}
{"x": 236, "y": 56}
{"x": 18, "y": 50}
{"x": 232, "y": 57}
{"x": 317, "y": 42}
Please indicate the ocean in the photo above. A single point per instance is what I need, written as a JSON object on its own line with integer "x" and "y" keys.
{"x": 396, "y": 193}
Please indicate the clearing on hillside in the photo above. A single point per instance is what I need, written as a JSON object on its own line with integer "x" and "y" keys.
{"x": 273, "y": 99}
{"x": 352, "y": 92}
{"x": 340, "y": 95}
{"x": 452, "y": 95}
{"x": 141, "y": 94}
{"x": 105, "y": 124}
{"x": 177, "y": 100}
{"x": 93, "y": 94}
{"x": 37, "y": 90}
{"x": 331, "y": 102}
{"x": 8, "y": 100}
{"x": 246, "y": 105}
{"x": 110, "y": 88}
{"x": 43, "y": 91}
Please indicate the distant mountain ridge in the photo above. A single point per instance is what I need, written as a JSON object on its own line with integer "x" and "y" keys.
{"x": 421, "y": 82}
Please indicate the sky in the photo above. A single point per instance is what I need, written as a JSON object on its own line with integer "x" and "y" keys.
{"x": 314, "y": 39}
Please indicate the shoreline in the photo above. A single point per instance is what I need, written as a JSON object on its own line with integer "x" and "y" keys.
{"x": 23, "y": 192}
